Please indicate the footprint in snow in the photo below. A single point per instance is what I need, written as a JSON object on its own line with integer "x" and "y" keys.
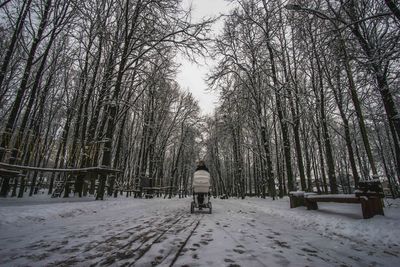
{"x": 240, "y": 251}
{"x": 70, "y": 250}
{"x": 68, "y": 262}
{"x": 282, "y": 244}
{"x": 309, "y": 250}
{"x": 94, "y": 256}
{"x": 355, "y": 248}
{"x": 82, "y": 236}
{"x": 53, "y": 249}
{"x": 158, "y": 259}
{"x": 354, "y": 258}
{"x": 38, "y": 257}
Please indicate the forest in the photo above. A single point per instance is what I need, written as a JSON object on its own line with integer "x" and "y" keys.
{"x": 90, "y": 104}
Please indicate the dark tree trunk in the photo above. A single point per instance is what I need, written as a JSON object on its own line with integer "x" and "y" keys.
{"x": 16, "y": 106}
{"x": 13, "y": 42}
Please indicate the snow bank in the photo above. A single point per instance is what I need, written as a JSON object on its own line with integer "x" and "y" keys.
{"x": 30, "y": 212}
{"x": 337, "y": 219}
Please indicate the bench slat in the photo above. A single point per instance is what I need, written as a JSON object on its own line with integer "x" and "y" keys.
{"x": 333, "y": 199}
{"x": 332, "y": 196}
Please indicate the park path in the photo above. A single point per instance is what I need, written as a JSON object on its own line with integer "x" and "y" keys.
{"x": 158, "y": 232}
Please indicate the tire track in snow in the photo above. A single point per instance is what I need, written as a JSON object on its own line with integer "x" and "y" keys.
{"x": 185, "y": 242}
{"x": 106, "y": 240}
{"x": 102, "y": 242}
{"x": 147, "y": 248}
{"x": 116, "y": 248}
{"x": 138, "y": 252}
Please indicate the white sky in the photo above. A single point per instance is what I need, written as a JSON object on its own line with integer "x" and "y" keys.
{"x": 192, "y": 76}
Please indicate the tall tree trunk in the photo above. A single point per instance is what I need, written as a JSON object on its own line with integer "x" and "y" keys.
{"x": 13, "y": 42}
{"x": 16, "y": 106}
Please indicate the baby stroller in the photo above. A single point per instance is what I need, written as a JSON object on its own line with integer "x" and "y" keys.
{"x": 201, "y": 191}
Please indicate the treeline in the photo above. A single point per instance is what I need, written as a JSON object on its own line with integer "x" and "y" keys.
{"x": 92, "y": 84}
{"x": 309, "y": 97}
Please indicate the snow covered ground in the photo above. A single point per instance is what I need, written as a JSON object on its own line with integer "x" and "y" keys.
{"x": 148, "y": 232}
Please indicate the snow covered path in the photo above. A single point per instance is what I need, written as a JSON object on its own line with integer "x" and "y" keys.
{"x": 140, "y": 232}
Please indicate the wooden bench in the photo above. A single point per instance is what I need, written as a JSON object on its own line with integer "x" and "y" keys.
{"x": 369, "y": 194}
{"x": 371, "y": 203}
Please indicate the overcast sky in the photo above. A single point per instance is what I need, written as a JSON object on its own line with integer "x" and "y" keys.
{"x": 192, "y": 76}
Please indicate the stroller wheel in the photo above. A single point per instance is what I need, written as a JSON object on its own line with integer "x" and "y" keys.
{"x": 192, "y": 207}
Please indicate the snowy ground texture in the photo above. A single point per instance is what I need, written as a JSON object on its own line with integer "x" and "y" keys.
{"x": 149, "y": 232}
